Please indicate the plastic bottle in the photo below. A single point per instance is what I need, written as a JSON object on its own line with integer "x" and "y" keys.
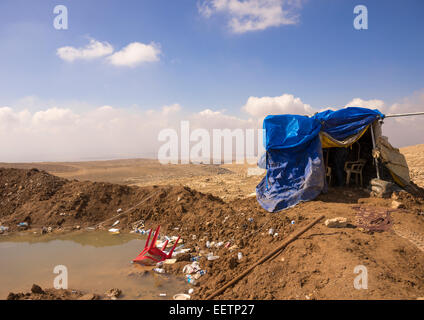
{"x": 159, "y": 270}
{"x": 191, "y": 280}
{"x": 219, "y": 244}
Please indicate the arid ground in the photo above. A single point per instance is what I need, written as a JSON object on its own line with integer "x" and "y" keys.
{"x": 217, "y": 203}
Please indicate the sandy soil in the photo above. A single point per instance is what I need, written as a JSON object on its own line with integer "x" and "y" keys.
{"x": 415, "y": 157}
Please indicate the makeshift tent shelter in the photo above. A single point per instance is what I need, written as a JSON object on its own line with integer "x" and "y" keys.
{"x": 294, "y": 153}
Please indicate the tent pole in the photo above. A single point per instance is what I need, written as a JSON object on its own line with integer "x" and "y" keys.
{"x": 373, "y": 146}
{"x": 403, "y": 114}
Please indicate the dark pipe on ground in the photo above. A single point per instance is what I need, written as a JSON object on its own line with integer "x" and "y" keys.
{"x": 280, "y": 248}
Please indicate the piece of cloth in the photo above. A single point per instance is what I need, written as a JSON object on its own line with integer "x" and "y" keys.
{"x": 294, "y": 161}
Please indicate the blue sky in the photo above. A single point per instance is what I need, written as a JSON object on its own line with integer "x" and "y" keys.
{"x": 203, "y": 63}
{"x": 322, "y": 59}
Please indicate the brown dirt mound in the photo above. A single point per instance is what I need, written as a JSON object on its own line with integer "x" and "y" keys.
{"x": 41, "y": 199}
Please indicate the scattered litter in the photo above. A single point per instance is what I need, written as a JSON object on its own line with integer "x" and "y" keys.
{"x": 211, "y": 258}
{"x": 170, "y": 261}
{"x": 338, "y": 222}
{"x": 3, "y": 229}
{"x": 239, "y": 255}
{"x": 219, "y": 244}
{"x": 162, "y": 294}
{"x": 159, "y": 270}
{"x": 191, "y": 268}
{"x": 115, "y": 223}
{"x": 191, "y": 281}
{"x": 190, "y": 291}
{"x": 250, "y": 219}
{"x": 114, "y": 231}
{"x": 23, "y": 225}
{"x": 292, "y": 222}
{"x": 275, "y": 234}
{"x": 177, "y": 252}
{"x": 271, "y": 231}
{"x": 227, "y": 245}
{"x": 181, "y": 296}
{"x": 119, "y": 210}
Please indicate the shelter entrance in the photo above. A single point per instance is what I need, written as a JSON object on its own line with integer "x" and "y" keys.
{"x": 352, "y": 165}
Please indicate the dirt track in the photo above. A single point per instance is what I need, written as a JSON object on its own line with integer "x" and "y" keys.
{"x": 317, "y": 266}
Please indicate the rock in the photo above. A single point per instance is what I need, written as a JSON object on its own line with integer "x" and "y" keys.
{"x": 36, "y": 289}
{"x": 232, "y": 264}
{"x": 397, "y": 205}
{"x": 12, "y": 296}
{"x": 88, "y": 296}
{"x": 338, "y": 222}
{"x": 113, "y": 293}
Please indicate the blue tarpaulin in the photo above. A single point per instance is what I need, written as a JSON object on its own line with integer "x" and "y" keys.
{"x": 294, "y": 161}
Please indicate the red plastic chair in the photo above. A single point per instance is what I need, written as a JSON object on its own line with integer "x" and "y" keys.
{"x": 151, "y": 252}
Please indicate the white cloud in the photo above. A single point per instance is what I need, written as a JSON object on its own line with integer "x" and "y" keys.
{"x": 401, "y": 131}
{"x": 135, "y": 54}
{"x": 253, "y": 15}
{"x": 371, "y": 104}
{"x": 171, "y": 109}
{"x": 95, "y": 49}
{"x": 61, "y": 133}
{"x": 286, "y": 103}
{"x": 209, "y": 119}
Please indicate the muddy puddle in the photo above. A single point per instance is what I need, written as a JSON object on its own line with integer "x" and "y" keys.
{"x": 95, "y": 262}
